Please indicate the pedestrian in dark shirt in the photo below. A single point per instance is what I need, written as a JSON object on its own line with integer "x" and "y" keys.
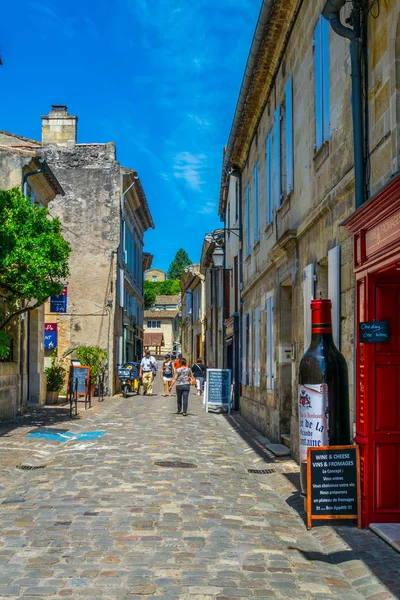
{"x": 199, "y": 372}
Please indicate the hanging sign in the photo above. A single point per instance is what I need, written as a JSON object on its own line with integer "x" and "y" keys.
{"x": 50, "y": 336}
{"x": 218, "y": 389}
{"x": 333, "y": 483}
{"x": 374, "y": 332}
{"x": 58, "y": 304}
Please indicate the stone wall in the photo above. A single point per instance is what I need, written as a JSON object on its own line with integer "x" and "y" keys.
{"x": 90, "y": 214}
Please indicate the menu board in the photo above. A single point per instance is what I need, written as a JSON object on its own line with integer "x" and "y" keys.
{"x": 218, "y": 388}
{"x": 333, "y": 483}
{"x": 82, "y": 374}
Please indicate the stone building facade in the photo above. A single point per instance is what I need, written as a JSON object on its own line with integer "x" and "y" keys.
{"x": 22, "y": 377}
{"x": 291, "y": 147}
{"x": 164, "y": 318}
{"x": 104, "y": 214}
{"x": 155, "y": 275}
{"x": 193, "y": 328}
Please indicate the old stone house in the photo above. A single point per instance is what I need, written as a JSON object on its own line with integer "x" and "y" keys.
{"x": 22, "y": 378}
{"x": 163, "y": 318}
{"x": 105, "y": 214}
{"x": 193, "y": 314}
{"x": 292, "y": 146}
{"x": 155, "y": 275}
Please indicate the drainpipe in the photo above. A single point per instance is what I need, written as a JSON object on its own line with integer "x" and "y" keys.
{"x": 28, "y": 326}
{"x": 331, "y": 12}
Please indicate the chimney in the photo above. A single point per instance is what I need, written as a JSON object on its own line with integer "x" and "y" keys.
{"x": 58, "y": 127}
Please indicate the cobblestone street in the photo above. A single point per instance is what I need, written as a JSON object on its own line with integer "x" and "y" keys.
{"x": 101, "y": 520}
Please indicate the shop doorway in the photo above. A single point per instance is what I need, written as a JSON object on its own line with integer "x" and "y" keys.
{"x": 379, "y": 401}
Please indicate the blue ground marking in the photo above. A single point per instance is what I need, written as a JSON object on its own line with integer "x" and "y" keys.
{"x": 66, "y": 436}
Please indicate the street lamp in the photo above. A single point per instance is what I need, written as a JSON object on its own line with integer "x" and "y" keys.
{"x": 218, "y": 257}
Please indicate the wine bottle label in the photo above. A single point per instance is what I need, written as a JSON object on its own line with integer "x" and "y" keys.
{"x": 313, "y": 417}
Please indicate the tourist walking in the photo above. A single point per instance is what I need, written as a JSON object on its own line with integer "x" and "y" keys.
{"x": 182, "y": 379}
{"x": 148, "y": 370}
{"x": 199, "y": 372}
{"x": 167, "y": 375}
{"x": 177, "y": 362}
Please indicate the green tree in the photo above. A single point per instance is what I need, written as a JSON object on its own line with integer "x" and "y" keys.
{"x": 169, "y": 287}
{"x": 178, "y": 265}
{"x": 33, "y": 259}
{"x": 149, "y": 294}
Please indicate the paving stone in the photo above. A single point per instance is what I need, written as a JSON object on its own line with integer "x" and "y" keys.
{"x": 105, "y": 523}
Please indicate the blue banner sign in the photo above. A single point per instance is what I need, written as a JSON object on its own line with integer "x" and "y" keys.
{"x": 50, "y": 336}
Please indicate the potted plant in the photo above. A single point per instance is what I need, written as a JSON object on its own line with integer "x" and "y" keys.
{"x": 95, "y": 358}
{"x": 55, "y": 377}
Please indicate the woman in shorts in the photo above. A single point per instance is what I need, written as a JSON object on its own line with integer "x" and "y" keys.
{"x": 167, "y": 375}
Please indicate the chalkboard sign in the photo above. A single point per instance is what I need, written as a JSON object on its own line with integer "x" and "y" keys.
{"x": 333, "y": 483}
{"x": 82, "y": 374}
{"x": 374, "y": 331}
{"x": 218, "y": 388}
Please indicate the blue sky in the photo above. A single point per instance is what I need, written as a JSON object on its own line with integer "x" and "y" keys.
{"x": 160, "y": 79}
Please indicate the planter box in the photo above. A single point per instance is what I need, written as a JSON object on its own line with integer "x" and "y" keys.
{"x": 52, "y": 397}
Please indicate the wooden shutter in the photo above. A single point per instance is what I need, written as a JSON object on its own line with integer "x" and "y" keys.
{"x": 308, "y": 295}
{"x": 277, "y": 156}
{"x": 334, "y": 291}
{"x": 289, "y": 136}
{"x": 318, "y": 66}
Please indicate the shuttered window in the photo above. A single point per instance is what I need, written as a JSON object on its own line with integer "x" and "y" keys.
{"x": 257, "y": 344}
{"x": 268, "y": 177}
{"x": 244, "y": 349}
{"x": 277, "y": 157}
{"x": 270, "y": 358}
{"x": 322, "y": 82}
{"x": 256, "y": 188}
{"x": 308, "y": 295}
{"x": 248, "y": 221}
{"x": 250, "y": 348}
{"x": 289, "y": 135}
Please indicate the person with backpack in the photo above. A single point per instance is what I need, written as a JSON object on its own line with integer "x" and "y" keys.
{"x": 199, "y": 372}
{"x": 167, "y": 374}
{"x": 148, "y": 370}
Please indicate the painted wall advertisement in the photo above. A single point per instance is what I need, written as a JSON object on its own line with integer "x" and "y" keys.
{"x": 313, "y": 417}
{"x": 50, "y": 336}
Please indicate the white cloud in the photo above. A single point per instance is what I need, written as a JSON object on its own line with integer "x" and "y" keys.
{"x": 189, "y": 168}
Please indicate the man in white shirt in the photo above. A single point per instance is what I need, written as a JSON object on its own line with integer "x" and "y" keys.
{"x": 148, "y": 369}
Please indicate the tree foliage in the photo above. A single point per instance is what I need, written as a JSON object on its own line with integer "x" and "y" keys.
{"x": 149, "y": 294}
{"x": 178, "y": 265}
{"x": 33, "y": 257}
{"x": 152, "y": 289}
{"x": 93, "y": 357}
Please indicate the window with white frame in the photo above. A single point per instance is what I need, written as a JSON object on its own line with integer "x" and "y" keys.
{"x": 248, "y": 221}
{"x": 257, "y": 344}
{"x": 270, "y": 359}
{"x": 153, "y": 324}
{"x": 256, "y": 208}
{"x": 322, "y": 82}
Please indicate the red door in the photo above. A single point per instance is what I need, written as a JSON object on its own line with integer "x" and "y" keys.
{"x": 382, "y": 379}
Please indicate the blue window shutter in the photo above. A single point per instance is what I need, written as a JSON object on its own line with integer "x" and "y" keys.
{"x": 256, "y": 203}
{"x": 325, "y": 79}
{"x": 248, "y": 232}
{"x": 268, "y": 176}
{"x": 289, "y": 135}
{"x": 277, "y": 152}
{"x": 318, "y": 85}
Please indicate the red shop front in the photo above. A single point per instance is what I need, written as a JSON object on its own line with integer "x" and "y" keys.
{"x": 376, "y": 229}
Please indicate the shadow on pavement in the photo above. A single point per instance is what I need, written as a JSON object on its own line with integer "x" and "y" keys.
{"x": 38, "y": 418}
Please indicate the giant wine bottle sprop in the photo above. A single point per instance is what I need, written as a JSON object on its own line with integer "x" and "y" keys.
{"x": 324, "y": 418}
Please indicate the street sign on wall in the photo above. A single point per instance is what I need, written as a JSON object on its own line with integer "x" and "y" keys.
{"x": 58, "y": 304}
{"x": 50, "y": 336}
